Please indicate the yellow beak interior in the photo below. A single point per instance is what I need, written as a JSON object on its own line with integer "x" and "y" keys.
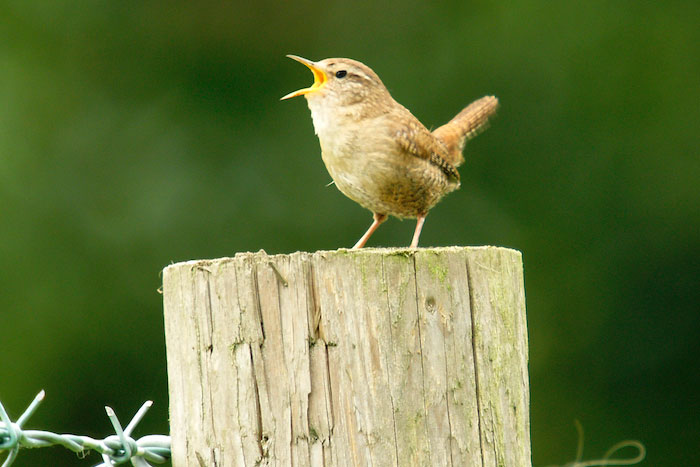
{"x": 319, "y": 77}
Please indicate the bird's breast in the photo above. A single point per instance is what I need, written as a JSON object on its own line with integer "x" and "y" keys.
{"x": 368, "y": 165}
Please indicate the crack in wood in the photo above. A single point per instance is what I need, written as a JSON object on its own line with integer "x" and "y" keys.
{"x": 256, "y": 296}
{"x": 388, "y": 367}
{"x": 472, "y": 306}
{"x": 258, "y": 410}
{"x": 447, "y": 389}
{"x": 422, "y": 362}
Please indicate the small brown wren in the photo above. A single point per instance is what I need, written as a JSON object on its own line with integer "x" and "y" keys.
{"x": 376, "y": 151}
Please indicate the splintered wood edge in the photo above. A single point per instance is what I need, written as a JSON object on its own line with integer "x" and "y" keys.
{"x": 407, "y": 252}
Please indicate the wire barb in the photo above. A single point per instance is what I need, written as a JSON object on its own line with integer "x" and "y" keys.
{"x": 116, "y": 449}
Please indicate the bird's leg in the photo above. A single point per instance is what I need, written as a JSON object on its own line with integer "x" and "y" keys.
{"x": 378, "y": 219}
{"x": 416, "y": 234}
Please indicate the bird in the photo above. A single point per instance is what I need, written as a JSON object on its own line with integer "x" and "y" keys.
{"x": 377, "y": 153}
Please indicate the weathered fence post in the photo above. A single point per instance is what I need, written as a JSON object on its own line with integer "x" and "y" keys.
{"x": 378, "y": 357}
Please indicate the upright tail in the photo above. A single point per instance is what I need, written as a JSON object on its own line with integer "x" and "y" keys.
{"x": 471, "y": 121}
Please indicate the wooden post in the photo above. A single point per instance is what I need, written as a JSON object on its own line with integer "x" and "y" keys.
{"x": 382, "y": 357}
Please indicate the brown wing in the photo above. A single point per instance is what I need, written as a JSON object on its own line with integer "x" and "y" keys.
{"x": 471, "y": 121}
{"x": 415, "y": 139}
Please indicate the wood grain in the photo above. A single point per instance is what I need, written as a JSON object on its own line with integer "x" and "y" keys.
{"x": 383, "y": 357}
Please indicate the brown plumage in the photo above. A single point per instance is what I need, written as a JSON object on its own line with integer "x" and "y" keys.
{"x": 471, "y": 121}
{"x": 376, "y": 151}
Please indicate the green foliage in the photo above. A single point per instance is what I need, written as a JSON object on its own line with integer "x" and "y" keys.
{"x": 134, "y": 134}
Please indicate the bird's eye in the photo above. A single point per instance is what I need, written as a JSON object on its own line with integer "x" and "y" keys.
{"x": 340, "y": 74}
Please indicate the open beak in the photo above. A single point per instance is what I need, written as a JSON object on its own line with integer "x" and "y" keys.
{"x": 319, "y": 77}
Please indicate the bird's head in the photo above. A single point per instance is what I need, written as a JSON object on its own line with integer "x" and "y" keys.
{"x": 340, "y": 80}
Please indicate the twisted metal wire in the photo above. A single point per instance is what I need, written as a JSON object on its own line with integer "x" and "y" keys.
{"x": 116, "y": 449}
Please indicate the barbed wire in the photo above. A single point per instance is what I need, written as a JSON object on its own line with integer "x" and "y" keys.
{"x": 116, "y": 449}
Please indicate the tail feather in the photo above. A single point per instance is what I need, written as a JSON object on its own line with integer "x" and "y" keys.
{"x": 471, "y": 121}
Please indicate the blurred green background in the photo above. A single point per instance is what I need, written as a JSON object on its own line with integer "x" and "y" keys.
{"x": 135, "y": 134}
